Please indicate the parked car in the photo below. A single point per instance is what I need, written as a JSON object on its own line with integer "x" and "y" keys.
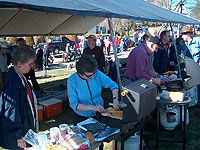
{"x": 58, "y": 44}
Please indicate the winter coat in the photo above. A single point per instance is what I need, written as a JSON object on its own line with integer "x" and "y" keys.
{"x": 16, "y": 114}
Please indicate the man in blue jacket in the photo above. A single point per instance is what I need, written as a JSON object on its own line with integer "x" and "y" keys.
{"x": 193, "y": 43}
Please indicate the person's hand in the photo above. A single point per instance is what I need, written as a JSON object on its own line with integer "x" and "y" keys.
{"x": 98, "y": 108}
{"x": 116, "y": 104}
{"x": 21, "y": 143}
{"x": 157, "y": 81}
{"x": 154, "y": 74}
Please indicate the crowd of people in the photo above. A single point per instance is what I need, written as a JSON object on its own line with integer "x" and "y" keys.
{"x": 148, "y": 60}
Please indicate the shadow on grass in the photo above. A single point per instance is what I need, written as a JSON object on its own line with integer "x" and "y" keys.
{"x": 65, "y": 117}
{"x": 45, "y": 77}
{"x": 53, "y": 83}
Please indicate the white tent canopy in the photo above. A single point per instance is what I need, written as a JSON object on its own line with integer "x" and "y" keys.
{"x": 54, "y": 17}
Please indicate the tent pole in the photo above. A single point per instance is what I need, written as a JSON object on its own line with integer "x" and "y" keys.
{"x": 46, "y": 61}
{"x": 115, "y": 53}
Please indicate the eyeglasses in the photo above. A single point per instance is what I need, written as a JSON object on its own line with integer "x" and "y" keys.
{"x": 89, "y": 76}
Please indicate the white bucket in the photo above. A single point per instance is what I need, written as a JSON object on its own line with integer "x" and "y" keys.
{"x": 133, "y": 143}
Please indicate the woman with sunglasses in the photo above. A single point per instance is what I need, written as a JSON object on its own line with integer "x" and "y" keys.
{"x": 84, "y": 89}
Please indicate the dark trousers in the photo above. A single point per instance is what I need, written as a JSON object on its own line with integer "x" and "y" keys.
{"x": 39, "y": 63}
{"x": 108, "y": 50}
{"x": 31, "y": 75}
{"x": 78, "y": 118}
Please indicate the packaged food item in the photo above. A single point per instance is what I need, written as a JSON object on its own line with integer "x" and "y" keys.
{"x": 46, "y": 134}
{"x": 176, "y": 96}
{"x": 55, "y": 147}
{"x": 74, "y": 142}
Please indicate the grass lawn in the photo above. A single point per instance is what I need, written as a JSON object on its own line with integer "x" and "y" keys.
{"x": 192, "y": 131}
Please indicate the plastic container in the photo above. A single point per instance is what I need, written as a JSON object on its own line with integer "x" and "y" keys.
{"x": 63, "y": 129}
{"x": 52, "y": 107}
{"x": 54, "y": 134}
{"x": 133, "y": 143}
{"x": 40, "y": 113}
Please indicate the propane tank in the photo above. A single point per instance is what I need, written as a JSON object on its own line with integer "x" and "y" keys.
{"x": 132, "y": 143}
{"x": 169, "y": 117}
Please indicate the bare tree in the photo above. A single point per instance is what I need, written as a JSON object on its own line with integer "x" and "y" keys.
{"x": 123, "y": 26}
{"x": 196, "y": 13}
{"x": 162, "y": 3}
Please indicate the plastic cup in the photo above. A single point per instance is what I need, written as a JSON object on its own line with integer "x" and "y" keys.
{"x": 63, "y": 129}
{"x": 54, "y": 134}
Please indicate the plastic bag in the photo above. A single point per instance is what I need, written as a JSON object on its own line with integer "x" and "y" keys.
{"x": 38, "y": 141}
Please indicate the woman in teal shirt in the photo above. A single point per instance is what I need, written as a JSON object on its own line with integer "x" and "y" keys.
{"x": 84, "y": 89}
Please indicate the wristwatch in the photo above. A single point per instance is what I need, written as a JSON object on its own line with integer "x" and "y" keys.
{"x": 116, "y": 97}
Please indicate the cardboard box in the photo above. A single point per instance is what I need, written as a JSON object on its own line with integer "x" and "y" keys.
{"x": 52, "y": 107}
{"x": 40, "y": 113}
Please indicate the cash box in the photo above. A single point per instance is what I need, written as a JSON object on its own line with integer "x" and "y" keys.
{"x": 51, "y": 107}
{"x": 40, "y": 113}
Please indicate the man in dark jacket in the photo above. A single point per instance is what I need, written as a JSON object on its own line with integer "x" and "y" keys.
{"x": 95, "y": 51}
{"x": 162, "y": 56}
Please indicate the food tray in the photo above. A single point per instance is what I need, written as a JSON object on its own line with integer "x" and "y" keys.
{"x": 164, "y": 101}
{"x": 174, "y": 85}
{"x": 100, "y": 135}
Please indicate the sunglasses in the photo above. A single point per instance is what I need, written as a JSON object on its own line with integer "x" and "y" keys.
{"x": 88, "y": 76}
